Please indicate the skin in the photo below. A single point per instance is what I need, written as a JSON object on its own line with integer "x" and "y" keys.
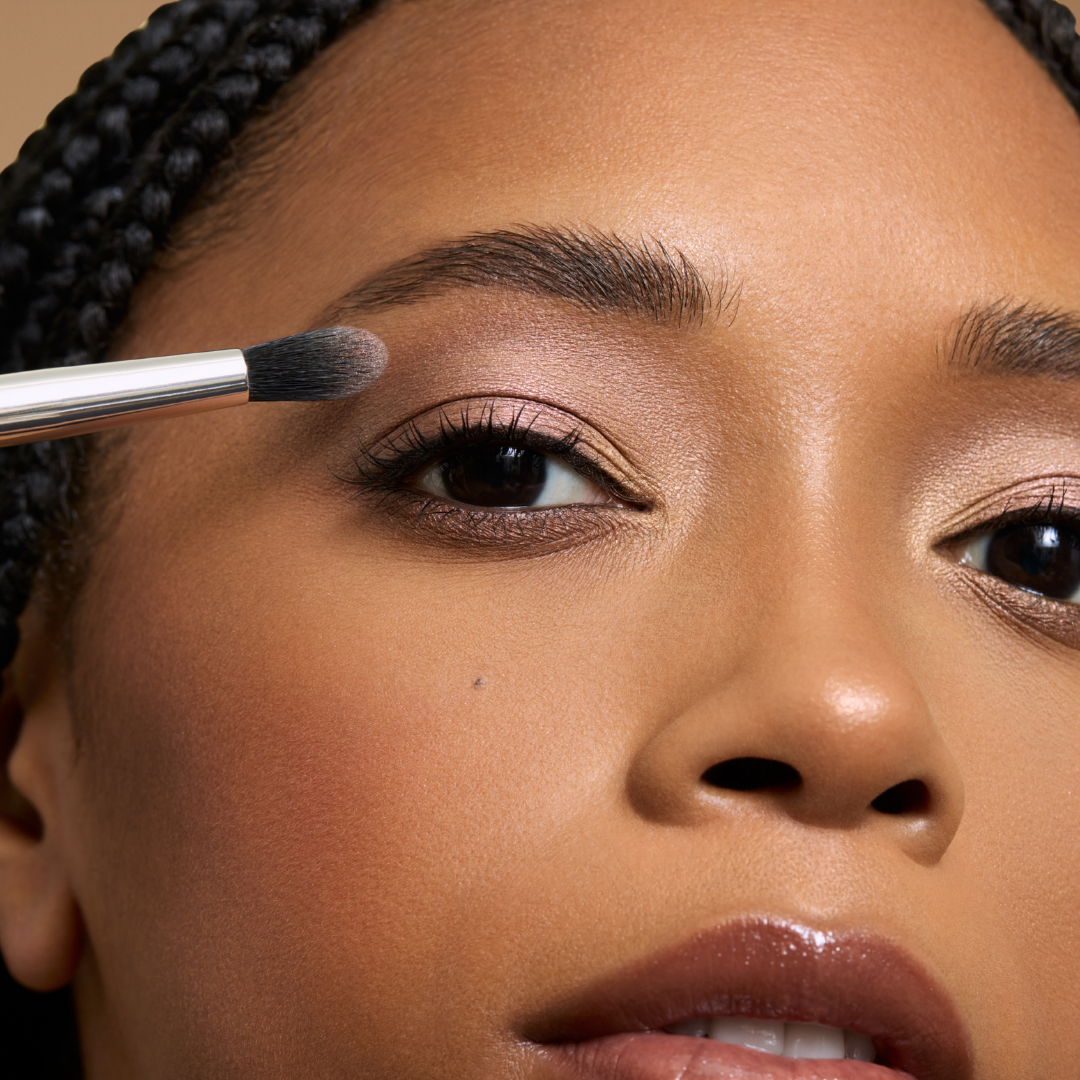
{"x": 286, "y": 832}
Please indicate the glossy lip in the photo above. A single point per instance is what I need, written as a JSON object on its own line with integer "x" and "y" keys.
{"x": 766, "y": 968}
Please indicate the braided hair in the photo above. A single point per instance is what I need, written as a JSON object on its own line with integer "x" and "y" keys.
{"x": 92, "y": 198}
{"x": 83, "y": 211}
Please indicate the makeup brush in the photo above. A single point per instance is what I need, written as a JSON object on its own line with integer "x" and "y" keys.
{"x": 53, "y": 403}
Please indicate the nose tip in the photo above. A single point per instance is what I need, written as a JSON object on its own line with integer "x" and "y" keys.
{"x": 847, "y": 744}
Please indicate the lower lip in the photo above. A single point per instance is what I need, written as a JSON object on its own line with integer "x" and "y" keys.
{"x": 650, "y": 1056}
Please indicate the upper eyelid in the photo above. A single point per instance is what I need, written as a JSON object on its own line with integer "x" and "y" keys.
{"x": 410, "y": 445}
{"x": 1056, "y": 497}
{"x": 568, "y": 421}
{"x": 1019, "y": 516}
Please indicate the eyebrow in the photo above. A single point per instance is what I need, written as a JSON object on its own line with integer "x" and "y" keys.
{"x": 1004, "y": 338}
{"x": 599, "y": 272}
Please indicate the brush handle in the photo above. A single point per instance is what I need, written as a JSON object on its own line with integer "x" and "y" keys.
{"x": 53, "y": 403}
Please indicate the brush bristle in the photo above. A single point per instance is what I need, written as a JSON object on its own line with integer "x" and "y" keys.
{"x": 321, "y": 365}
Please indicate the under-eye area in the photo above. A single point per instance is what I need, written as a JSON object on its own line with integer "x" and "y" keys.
{"x": 502, "y": 470}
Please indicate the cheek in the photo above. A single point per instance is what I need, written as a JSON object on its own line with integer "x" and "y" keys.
{"x": 304, "y": 785}
{"x": 1015, "y": 728}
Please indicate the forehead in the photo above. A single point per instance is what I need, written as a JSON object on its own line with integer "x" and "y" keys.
{"x": 873, "y": 156}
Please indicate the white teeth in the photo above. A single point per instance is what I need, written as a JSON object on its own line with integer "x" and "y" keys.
{"x": 767, "y": 1035}
{"x": 813, "y": 1041}
{"x": 775, "y": 1037}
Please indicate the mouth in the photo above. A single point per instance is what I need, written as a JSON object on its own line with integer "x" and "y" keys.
{"x": 759, "y": 999}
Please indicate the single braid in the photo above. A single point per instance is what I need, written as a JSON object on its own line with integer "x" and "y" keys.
{"x": 93, "y": 196}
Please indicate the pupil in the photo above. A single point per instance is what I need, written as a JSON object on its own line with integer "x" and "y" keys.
{"x": 489, "y": 475}
{"x": 1042, "y": 558}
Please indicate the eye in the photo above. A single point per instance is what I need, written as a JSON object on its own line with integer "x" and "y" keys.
{"x": 1039, "y": 557}
{"x": 496, "y": 475}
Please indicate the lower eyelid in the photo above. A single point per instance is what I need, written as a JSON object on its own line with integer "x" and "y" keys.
{"x": 501, "y": 533}
{"x": 1037, "y": 616}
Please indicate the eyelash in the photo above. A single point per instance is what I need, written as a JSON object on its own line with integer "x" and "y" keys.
{"x": 1049, "y": 508}
{"x": 383, "y": 471}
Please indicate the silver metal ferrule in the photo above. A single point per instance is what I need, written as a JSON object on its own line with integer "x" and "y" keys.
{"x": 53, "y": 403}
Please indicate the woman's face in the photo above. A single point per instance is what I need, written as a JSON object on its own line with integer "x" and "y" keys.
{"x": 379, "y": 780}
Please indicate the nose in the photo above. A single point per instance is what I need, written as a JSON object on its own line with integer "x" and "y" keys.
{"x": 819, "y": 720}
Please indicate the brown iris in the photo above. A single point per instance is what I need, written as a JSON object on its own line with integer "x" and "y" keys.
{"x": 494, "y": 475}
{"x": 1041, "y": 558}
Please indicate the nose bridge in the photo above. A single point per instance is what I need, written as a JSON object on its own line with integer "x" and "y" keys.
{"x": 815, "y": 711}
{"x": 829, "y": 667}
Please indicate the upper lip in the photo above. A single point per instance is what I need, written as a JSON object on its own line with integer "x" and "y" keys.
{"x": 778, "y": 970}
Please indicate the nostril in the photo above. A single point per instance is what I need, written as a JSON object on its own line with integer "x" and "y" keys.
{"x": 752, "y": 774}
{"x": 910, "y": 797}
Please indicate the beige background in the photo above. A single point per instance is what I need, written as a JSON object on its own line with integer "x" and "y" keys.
{"x": 46, "y": 44}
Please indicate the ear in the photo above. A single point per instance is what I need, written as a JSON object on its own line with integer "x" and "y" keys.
{"x": 40, "y": 924}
